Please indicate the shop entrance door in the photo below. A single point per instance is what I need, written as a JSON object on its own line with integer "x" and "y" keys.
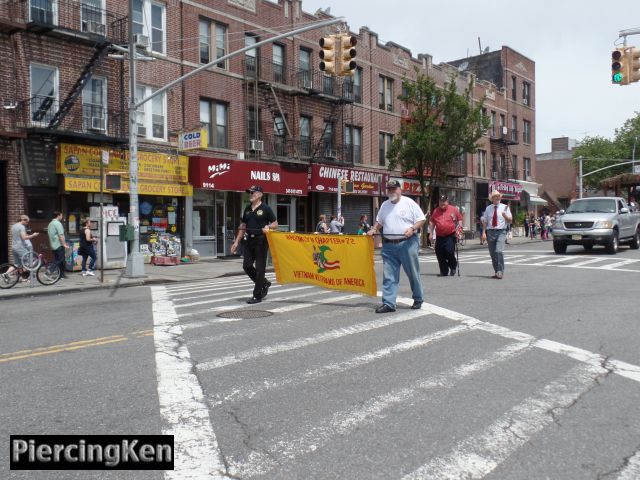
{"x": 221, "y": 216}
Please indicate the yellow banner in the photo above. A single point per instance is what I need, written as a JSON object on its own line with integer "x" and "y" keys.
{"x": 337, "y": 262}
{"x": 73, "y": 184}
{"x": 84, "y": 161}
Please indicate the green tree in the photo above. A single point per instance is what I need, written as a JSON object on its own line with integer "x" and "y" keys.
{"x": 442, "y": 125}
{"x": 599, "y": 152}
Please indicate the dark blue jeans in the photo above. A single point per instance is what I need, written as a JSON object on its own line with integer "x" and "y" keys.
{"x": 90, "y": 253}
{"x": 446, "y": 253}
{"x": 394, "y": 256}
{"x": 58, "y": 254}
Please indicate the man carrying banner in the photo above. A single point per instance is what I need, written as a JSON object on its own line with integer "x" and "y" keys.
{"x": 445, "y": 219}
{"x": 257, "y": 220}
{"x": 400, "y": 218}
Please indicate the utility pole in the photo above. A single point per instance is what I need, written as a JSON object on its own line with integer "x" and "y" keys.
{"x": 633, "y": 155}
{"x": 339, "y": 197}
{"x": 580, "y": 177}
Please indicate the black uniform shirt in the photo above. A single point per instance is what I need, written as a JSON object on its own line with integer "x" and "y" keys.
{"x": 257, "y": 219}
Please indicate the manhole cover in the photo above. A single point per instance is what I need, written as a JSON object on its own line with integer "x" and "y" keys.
{"x": 245, "y": 314}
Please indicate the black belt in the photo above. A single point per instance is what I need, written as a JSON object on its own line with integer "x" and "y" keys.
{"x": 255, "y": 235}
{"x": 399, "y": 240}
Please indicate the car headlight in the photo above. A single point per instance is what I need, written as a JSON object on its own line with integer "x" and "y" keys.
{"x": 603, "y": 224}
{"x": 558, "y": 224}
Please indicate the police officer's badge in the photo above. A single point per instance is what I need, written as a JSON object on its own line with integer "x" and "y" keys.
{"x": 259, "y": 212}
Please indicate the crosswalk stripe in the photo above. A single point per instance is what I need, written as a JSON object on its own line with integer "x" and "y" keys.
{"x": 183, "y": 408}
{"x": 277, "y": 288}
{"x": 341, "y": 423}
{"x": 619, "y": 264}
{"x": 221, "y": 291}
{"x": 555, "y": 260}
{"x": 290, "y": 308}
{"x": 632, "y": 470}
{"x": 529, "y": 259}
{"x": 196, "y": 286}
{"x": 479, "y": 454}
{"x": 586, "y": 262}
{"x": 307, "y": 341}
{"x": 250, "y": 391}
{"x": 241, "y": 305}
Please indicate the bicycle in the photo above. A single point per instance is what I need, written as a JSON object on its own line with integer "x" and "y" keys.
{"x": 47, "y": 273}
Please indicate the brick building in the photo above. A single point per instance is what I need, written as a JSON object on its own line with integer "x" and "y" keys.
{"x": 558, "y": 174}
{"x": 271, "y": 117}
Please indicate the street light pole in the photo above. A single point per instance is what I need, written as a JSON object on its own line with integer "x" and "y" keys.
{"x": 580, "y": 177}
{"x": 633, "y": 155}
{"x": 135, "y": 260}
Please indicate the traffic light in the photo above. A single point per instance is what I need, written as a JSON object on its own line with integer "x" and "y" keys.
{"x": 346, "y": 186}
{"x": 633, "y": 56}
{"x": 347, "y": 54}
{"x": 328, "y": 54}
{"x": 112, "y": 182}
{"x": 618, "y": 70}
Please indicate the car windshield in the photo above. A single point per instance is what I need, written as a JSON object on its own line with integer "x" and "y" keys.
{"x": 595, "y": 205}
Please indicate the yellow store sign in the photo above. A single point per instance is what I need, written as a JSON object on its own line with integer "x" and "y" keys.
{"x": 75, "y": 184}
{"x": 84, "y": 161}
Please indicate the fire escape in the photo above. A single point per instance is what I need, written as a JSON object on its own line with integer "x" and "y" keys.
{"x": 281, "y": 90}
{"x": 501, "y": 138}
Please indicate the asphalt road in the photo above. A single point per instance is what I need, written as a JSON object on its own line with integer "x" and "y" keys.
{"x": 531, "y": 377}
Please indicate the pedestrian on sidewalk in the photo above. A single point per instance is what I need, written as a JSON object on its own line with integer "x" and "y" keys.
{"x": 322, "y": 226}
{"x": 20, "y": 241}
{"x": 87, "y": 249}
{"x": 444, "y": 219}
{"x": 496, "y": 218}
{"x": 400, "y": 218}
{"x": 257, "y": 220}
{"x": 336, "y": 225}
{"x": 526, "y": 226}
{"x": 57, "y": 241}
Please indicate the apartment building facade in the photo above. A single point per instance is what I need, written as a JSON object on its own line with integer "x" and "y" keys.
{"x": 271, "y": 117}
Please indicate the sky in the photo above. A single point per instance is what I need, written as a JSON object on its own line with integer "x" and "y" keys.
{"x": 569, "y": 40}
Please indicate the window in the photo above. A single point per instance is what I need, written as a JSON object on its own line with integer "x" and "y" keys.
{"x": 385, "y": 93}
{"x": 482, "y": 163}
{"x": 305, "y": 136}
{"x": 92, "y": 17}
{"x": 277, "y": 63}
{"x": 502, "y": 125}
{"x": 526, "y": 133}
{"x": 484, "y": 115}
{"x": 211, "y": 111}
{"x": 526, "y": 99}
{"x": 514, "y": 88}
{"x": 151, "y": 116}
{"x": 527, "y": 168}
{"x": 492, "y": 127}
{"x": 253, "y": 123}
{"x": 94, "y": 105}
{"x": 353, "y": 86}
{"x": 251, "y": 56}
{"x": 328, "y": 143}
{"x": 149, "y": 19}
{"x": 384, "y": 143}
{"x": 44, "y": 93}
{"x": 305, "y": 79}
{"x": 209, "y": 30}
{"x": 279, "y": 139}
{"x": 353, "y": 143}
{"x": 514, "y": 128}
{"x": 514, "y": 166}
{"x": 494, "y": 166}
{"x": 43, "y": 11}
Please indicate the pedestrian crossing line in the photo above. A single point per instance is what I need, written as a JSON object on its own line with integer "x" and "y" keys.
{"x": 288, "y": 346}
{"x": 586, "y": 262}
{"x": 618, "y": 367}
{"x": 619, "y": 264}
{"x": 183, "y": 409}
{"x": 210, "y": 290}
{"x": 287, "y": 447}
{"x": 555, "y": 260}
{"x": 290, "y": 308}
{"x": 527, "y": 259}
{"x": 250, "y": 391}
{"x": 220, "y": 291}
{"x": 632, "y": 470}
{"x": 204, "y": 286}
{"x": 239, "y": 306}
{"x": 225, "y": 296}
{"x": 480, "y": 454}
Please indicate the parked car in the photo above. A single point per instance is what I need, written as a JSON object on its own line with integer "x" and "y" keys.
{"x": 606, "y": 221}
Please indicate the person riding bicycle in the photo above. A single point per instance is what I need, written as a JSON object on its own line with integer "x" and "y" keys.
{"x": 21, "y": 240}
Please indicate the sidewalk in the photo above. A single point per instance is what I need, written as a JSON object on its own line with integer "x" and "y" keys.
{"x": 156, "y": 275}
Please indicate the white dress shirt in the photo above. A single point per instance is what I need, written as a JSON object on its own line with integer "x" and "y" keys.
{"x": 488, "y": 216}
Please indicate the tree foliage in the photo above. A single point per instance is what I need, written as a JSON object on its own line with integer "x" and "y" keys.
{"x": 442, "y": 125}
{"x": 599, "y": 152}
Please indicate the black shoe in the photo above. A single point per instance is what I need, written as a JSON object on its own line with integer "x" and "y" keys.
{"x": 417, "y": 305}
{"x": 443, "y": 275}
{"x": 384, "y": 308}
{"x": 452, "y": 273}
{"x": 253, "y": 300}
{"x": 265, "y": 288}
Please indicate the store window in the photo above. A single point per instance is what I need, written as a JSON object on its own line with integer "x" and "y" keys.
{"x": 283, "y": 213}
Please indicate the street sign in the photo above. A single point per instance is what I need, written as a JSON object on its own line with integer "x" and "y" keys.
{"x": 636, "y": 169}
{"x": 105, "y": 158}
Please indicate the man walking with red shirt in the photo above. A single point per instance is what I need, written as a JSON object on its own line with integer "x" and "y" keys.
{"x": 445, "y": 218}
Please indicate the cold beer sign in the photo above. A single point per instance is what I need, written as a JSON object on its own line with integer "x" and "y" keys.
{"x": 195, "y": 140}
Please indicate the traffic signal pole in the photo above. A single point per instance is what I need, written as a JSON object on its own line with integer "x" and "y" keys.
{"x": 135, "y": 260}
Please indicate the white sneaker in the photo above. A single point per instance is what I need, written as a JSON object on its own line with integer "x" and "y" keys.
{"x": 89, "y": 272}
{"x": 84, "y": 274}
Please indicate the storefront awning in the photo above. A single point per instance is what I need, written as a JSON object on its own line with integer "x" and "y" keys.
{"x": 530, "y": 187}
{"x": 535, "y": 200}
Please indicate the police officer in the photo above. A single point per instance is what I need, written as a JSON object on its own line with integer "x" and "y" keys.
{"x": 257, "y": 220}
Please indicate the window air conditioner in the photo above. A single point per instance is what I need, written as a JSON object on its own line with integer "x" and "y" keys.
{"x": 93, "y": 27}
{"x": 142, "y": 130}
{"x": 330, "y": 153}
{"x": 525, "y": 101}
{"x": 494, "y": 175}
{"x": 97, "y": 123}
{"x": 504, "y": 130}
{"x": 256, "y": 145}
{"x": 141, "y": 40}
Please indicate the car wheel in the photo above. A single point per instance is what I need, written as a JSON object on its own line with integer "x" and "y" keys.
{"x": 635, "y": 243}
{"x": 612, "y": 246}
{"x": 559, "y": 247}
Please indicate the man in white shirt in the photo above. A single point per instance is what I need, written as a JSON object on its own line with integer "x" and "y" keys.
{"x": 400, "y": 218}
{"x": 494, "y": 231}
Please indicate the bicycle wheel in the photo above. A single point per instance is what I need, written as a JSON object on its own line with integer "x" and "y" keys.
{"x": 48, "y": 274}
{"x": 8, "y": 279}
{"x": 31, "y": 261}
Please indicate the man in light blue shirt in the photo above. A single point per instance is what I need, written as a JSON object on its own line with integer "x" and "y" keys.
{"x": 57, "y": 241}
